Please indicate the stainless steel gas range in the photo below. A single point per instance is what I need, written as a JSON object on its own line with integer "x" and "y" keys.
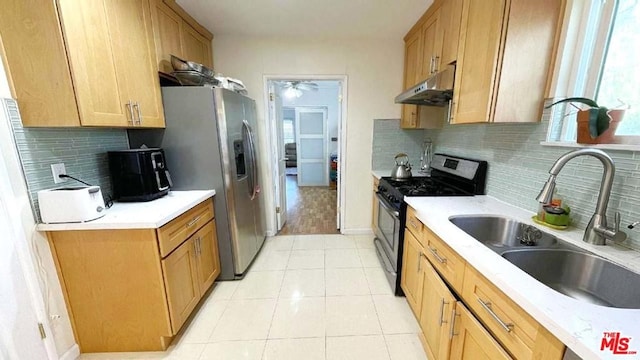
{"x": 450, "y": 176}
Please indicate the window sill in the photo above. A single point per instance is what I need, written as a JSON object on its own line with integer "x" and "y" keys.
{"x": 620, "y": 147}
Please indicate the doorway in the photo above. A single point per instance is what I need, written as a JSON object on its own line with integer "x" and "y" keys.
{"x": 305, "y": 118}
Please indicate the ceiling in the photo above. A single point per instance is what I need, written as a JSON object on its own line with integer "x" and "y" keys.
{"x": 320, "y": 19}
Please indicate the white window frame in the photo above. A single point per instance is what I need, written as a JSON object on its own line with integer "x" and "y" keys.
{"x": 584, "y": 36}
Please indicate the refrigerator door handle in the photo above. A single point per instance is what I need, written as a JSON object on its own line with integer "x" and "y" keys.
{"x": 254, "y": 162}
{"x": 249, "y": 158}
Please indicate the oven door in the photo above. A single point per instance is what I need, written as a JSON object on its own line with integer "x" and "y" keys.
{"x": 388, "y": 229}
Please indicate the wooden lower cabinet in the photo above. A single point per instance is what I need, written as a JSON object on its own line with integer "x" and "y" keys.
{"x": 122, "y": 294}
{"x": 411, "y": 276}
{"x": 470, "y": 340}
{"x": 437, "y": 313}
{"x": 181, "y": 280}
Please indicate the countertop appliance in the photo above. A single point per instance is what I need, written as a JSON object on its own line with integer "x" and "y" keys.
{"x": 211, "y": 143}
{"x": 437, "y": 90}
{"x": 139, "y": 174}
{"x": 71, "y": 204}
{"x": 450, "y": 176}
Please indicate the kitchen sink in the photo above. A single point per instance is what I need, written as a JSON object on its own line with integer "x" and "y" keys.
{"x": 561, "y": 266}
{"x": 501, "y": 233}
{"x": 580, "y": 275}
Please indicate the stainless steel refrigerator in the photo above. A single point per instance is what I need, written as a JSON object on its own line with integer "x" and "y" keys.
{"x": 210, "y": 142}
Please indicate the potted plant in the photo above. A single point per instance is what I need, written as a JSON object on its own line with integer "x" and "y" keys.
{"x": 596, "y": 124}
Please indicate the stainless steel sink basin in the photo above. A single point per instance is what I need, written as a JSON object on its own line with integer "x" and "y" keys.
{"x": 563, "y": 267}
{"x": 580, "y": 275}
{"x": 500, "y": 233}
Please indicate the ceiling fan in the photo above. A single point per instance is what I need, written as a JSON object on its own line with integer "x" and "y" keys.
{"x": 293, "y": 89}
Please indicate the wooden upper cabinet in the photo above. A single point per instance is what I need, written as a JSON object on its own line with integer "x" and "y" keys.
{"x": 36, "y": 63}
{"x": 412, "y": 65}
{"x": 176, "y": 33}
{"x": 196, "y": 47}
{"x": 450, "y": 13}
{"x": 96, "y": 66}
{"x": 110, "y": 48}
{"x": 432, "y": 36}
{"x": 167, "y": 27}
{"x": 504, "y": 56}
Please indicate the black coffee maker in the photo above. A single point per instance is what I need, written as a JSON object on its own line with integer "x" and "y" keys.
{"x": 139, "y": 174}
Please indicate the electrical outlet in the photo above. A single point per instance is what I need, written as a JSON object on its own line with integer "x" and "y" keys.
{"x": 57, "y": 170}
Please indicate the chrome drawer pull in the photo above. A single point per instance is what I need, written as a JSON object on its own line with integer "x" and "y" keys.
{"x": 442, "y": 321}
{"x": 453, "y": 324}
{"x": 440, "y": 259}
{"x": 195, "y": 220}
{"x": 487, "y": 306}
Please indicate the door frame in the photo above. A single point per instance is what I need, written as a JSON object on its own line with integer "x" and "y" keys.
{"x": 342, "y": 135}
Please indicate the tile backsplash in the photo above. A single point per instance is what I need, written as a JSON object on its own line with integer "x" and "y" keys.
{"x": 82, "y": 150}
{"x": 519, "y": 166}
{"x": 389, "y": 139}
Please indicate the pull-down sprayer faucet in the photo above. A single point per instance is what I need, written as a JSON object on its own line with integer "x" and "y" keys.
{"x": 597, "y": 230}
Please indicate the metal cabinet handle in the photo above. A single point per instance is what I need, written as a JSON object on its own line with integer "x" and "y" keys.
{"x": 442, "y": 303}
{"x": 129, "y": 105}
{"x": 438, "y": 257}
{"x": 412, "y": 222}
{"x": 487, "y": 306}
{"x": 435, "y": 63}
{"x": 137, "y": 106}
{"x": 453, "y": 324}
{"x": 450, "y": 111}
{"x": 195, "y": 220}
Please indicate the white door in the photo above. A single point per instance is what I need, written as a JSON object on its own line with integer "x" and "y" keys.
{"x": 311, "y": 144}
{"x": 339, "y": 147}
{"x": 19, "y": 334}
{"x": 275, "y": 114}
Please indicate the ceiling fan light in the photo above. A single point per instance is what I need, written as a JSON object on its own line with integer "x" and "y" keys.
{"x": 292, "y": 92}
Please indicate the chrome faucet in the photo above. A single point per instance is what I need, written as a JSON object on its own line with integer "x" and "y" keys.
{"x": 597, "y": 231}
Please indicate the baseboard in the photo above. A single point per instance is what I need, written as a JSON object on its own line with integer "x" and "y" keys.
{"x": 271, "y": 233}
{"x": 72, "y": 354}
{"x": 365, "y": 231}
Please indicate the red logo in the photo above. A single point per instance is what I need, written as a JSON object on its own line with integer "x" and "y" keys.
{"x": 619, "y": 345}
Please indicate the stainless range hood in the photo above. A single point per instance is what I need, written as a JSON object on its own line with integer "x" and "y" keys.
{"x": 435, "y": 91}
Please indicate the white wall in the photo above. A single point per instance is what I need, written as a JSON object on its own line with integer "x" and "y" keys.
{"x": 60, "y": 327}
{"x": 327, "y": 96}
{"x": 374, "y": 70}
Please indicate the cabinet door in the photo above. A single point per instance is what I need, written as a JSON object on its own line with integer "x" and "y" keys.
{"x": 196, "y": 47}
{"x": 131, "y": 32}
{"x": 477, "y": 65}
{"x": 438, "y": 305}
{"x": 181, "y": 281}
{"x": 208, "y": 258}
{"x": 412, "y": 64}
{"x": 431, "y": 46}
{"x": 167, "y": 27}
{"x": 471, "y": 341}
{"x": 450, "y": 13}
{"x": 411, "y": 277}
{"x": 32, "y": 41}
{"x": 94, "y": 62}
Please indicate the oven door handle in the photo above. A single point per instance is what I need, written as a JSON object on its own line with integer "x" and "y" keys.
{"x": 387, "y": 207}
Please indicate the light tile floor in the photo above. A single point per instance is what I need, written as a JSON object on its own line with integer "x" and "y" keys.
{"x": 306, "y": 297}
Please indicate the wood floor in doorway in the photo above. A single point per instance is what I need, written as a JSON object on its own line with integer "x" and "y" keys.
{"x": 310, "y": 209}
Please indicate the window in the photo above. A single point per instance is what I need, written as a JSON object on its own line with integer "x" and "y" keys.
{"x": 288, "y": 127}
{"x": 600, "y": 60}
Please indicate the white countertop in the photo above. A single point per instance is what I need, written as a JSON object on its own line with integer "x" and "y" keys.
{"x": 380, "y": 173}
{"x": 577, "y": 324}
{"x": 139, "y": 215}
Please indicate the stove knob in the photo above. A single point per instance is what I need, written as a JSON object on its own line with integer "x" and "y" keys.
{"x": 381, "y": 189}
{"x": 393, "y": 199}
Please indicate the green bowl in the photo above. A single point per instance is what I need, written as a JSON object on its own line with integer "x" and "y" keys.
{"x": 559, "y": 220}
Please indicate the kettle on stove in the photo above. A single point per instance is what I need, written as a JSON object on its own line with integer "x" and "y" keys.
{"x": 402, "y": 169}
